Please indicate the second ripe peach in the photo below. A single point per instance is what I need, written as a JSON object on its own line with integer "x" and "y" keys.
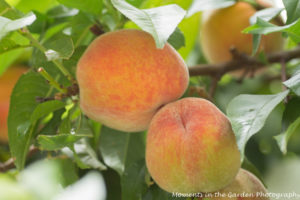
{"x": 191, "y": 147}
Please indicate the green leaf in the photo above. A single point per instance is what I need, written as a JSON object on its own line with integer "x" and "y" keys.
{"x": 71, "y": 63}
{"x": 68, "y": 171}
{"x": 290, "y": 114}
{"x": 160, "y": 22}
{"x": 89, "y": 6}
{"x": 265, "y": 14}
{"x": 22, "y": 104}
{"x": 80, "y": 29}
{"x": 83, "y": 126}
{"x": 293, "y": 10}
{"x": 56, "y": 142}
{"x": 39, "y": 25}
{"x": 119, "y": 149}
{"x": 90, "y": 187}
{"x": 133, "y": 181}
{"x": 283, "y": 138}
{"x": 7, "y": 58}
{"x": 294, "y": 83}
{"x": 59, "y": 46}
{"x": 125, "y": 152}
{"x": 248, "y": 114}
{"x": 7, "y": 44}
{"x": 190, "y": 28}
{"x": 12, "y": 48}
{"x": 51, "y": 127}
{"x": 84, "y": 155}
{"x": 65, "y": 126}
{"x": 61, "y": 11}
{"x": 30, "y": 5}
{"x": 39, "y": 59}
{"x": 185, "y": 4}
{"x": 46, "y": 108}
{"x": 7, "y": 11}
{"x": 294, "y": 31}
{"x": 255, "y": 43}
{"x": 8, "y": 25}
{"x": 201, "y": 5}
{"x": 177, "y": 39}
{"x": 248, "y": 165}
{"x": 264, "y": 27}
{"x": 136, "y": 3}
{"x": 154, "y": 192}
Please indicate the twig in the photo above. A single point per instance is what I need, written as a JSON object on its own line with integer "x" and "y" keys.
{"x": 222, "y": 68}
{"x": 236, "y": 55}
{"x": 283, "y": 77}
{"x": 9, "y": 164}
{"x": 96, "y": 30}
{"x": 51, "y": 80}
{"x": 43, "y": 99}
{"x": 200, "y": 91}
{"x": 36, "y": 44}
{"x": 270, "y": 78}
{"x": 243, "y": 76}
{"x": 213, "y": 86}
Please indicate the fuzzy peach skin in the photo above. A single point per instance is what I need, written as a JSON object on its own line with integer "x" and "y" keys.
{"x": 124, "y": 79}
{"x": 7, "y": 82}
{"x": 245, "y": 186}
{"x": 4, "y": 106}
{"x": 222, "y": 29}
{"x": 191, "y": 148}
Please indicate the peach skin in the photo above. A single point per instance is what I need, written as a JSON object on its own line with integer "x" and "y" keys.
{"x": 222, "y": 29}
{"x": 191, "y": 147}
{"x": 124, "y": 79}
{"x": 245, "y": 186}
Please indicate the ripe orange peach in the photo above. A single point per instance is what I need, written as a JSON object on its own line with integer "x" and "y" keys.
{"x": 124, "y": 79}
{"x": 222, "y": 29}
{"x": 191, "y": 147}
{"x": 7, "y": 82}
{"x": 245, "y": 186}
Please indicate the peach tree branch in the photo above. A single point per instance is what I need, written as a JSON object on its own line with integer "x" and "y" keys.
{"x": 9, "y": 164}
{"x": 242, "y": 61}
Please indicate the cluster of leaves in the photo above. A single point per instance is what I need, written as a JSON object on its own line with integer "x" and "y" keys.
{"x": 58, "y": 36}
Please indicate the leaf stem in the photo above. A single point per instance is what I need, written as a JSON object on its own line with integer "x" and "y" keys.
{"x": 51, "y": 80}
{"x": 36, "y": 44}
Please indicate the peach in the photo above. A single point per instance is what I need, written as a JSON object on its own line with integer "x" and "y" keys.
{"x": 124, "y": 79}
{"x": 7, "y": 82}
{"x": 191, "y": 147}
{"x": 245, "y": 186}
{"x": 222, "y": 29}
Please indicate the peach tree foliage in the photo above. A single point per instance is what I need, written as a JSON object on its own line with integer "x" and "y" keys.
{"x": 57, "y": 34}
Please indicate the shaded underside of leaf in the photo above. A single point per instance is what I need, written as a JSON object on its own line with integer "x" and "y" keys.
{"x": 294, "y": 83}
{"x": 22, "y": 104}
{"x": 160, "y": 22}
{"x": 283, "y": 138}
